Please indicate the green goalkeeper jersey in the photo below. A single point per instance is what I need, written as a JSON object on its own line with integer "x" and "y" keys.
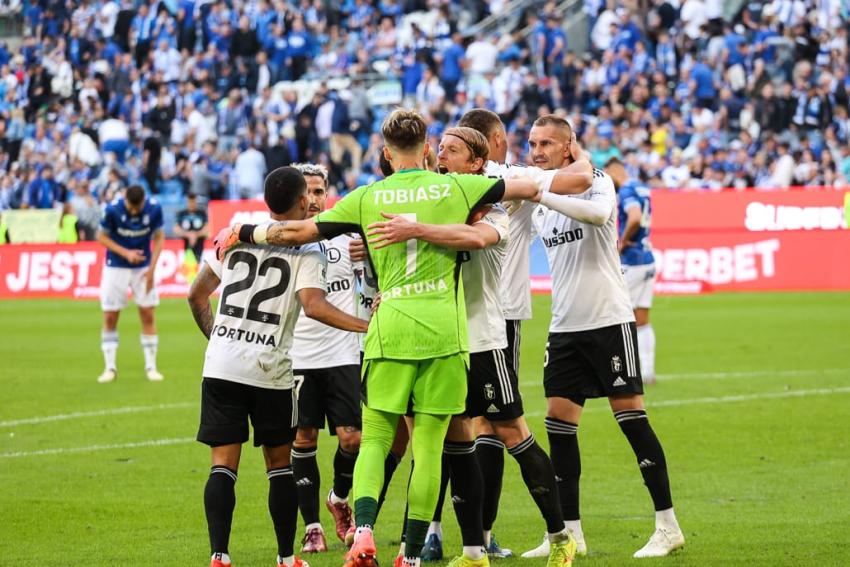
{"x": 422, "y": 313}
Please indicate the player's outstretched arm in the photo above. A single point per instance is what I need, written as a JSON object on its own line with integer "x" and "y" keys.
{"x": 595, "y": 211}
{"x": 520, "y": 188}
{"x": 316, "y": 306}
{"x": 199, "y": 299}
{"x": 455, "y": 236}
{"x": 574, "y": 179}
{"x": 282, "y": 233}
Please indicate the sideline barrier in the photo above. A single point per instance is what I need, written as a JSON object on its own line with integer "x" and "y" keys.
{"x": 74, "y": 270}
{"x": 789, "y": 240}
{"x": 783, "y": 240}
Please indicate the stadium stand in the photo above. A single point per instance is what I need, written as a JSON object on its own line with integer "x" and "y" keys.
{"x": 197, "y": 95}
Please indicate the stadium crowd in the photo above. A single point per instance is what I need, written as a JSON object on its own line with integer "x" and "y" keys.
{"x": 205, "y": 97}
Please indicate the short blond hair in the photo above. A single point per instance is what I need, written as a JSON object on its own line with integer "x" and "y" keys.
{"x": 474, "y": 140}
{"x": 404, "y": 130}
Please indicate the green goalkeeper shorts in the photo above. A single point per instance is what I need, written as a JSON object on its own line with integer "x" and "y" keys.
{"x": 436, "y": 385}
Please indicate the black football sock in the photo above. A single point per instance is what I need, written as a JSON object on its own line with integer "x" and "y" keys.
{"x": 343, "y": 472}
{"x": 650, "y": 455}
{"x": 219, "y": 502}
{"x": 390, "y": 465}
{"x": 566, "y": 459}
{"x": 467, "y": 490}
{"x": 307, "y": 479}
{"x": 539, "y": 477}
{"x": 490, "y": 452}
{"x": 444, "y": 483}
{"x": 415, "y": 538}
{"x": 283, "y": 508}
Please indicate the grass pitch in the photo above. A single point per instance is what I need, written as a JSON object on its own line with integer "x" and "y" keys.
{"x": 752, "y": 407}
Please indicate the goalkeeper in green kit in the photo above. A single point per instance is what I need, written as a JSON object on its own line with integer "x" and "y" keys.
{"x": 416, "y": 349}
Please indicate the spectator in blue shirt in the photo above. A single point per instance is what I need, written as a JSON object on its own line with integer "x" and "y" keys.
{"x": 702, "y": 80}
{"x": 453, "y": 60}
{"x": 300, "y": 45}
{"x": 556, "y": 45}
{"x": 44, "y": 192}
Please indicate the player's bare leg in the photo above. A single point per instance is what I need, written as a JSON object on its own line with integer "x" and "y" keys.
{"x": 109, "y": 346}
{"x": 307, "y": 480}
{"x": 646, "y": 345}
{"x": 631, "y": 416}
{"x": 562, "y": 418}
{"x": 283, "y": 503}
{"x": 150, "y": 342}
{"x": 490, "y": 452}
{"x": 220, "y": 500}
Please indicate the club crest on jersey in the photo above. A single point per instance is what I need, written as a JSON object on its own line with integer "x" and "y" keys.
{"x": 489, "y": 391}
{"x": 333, "y": 255}
{"x": 146, "y": 219}
{"x": 616, "y": 364}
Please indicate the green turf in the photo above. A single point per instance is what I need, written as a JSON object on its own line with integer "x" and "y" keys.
{"x": 762, "y": 478}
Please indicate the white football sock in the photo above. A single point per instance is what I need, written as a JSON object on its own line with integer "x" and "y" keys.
{"x": 666, "y": 519}
{"x": 286, "y": 560}
{"x": 558, "y": 537}
{"x": 315, "y": 525}
{"x": 435, "y": 528}
{"x": 401, "y": 549}
{"x": 487, "y": 538}
{"x": 109, "y": 346}
{"x": 473, "y": 552}
{"x": 646, "y": 350}
{"x": 361, "y": 530}
{"x": 223, "y": 557}
{"x": 575, "y": 527}
{"x": 336, "y": 499}
{"x": 149, "y": 344}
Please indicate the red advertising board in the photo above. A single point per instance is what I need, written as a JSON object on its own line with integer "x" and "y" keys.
{"x": 726, "y": 241}
{"x": 74, "y": 270}
{"x": 252, "y": 211}
{"x": 752, "y": 240}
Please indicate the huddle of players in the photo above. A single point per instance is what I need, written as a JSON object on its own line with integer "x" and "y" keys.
{"x": 591, "y": 351}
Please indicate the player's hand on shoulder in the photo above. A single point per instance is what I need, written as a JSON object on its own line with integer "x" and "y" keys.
{"x": 226, "y": 239}
{"x": 396, "y": 229}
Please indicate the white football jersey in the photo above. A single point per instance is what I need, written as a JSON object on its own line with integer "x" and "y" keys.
{"x": 588, "y": 288}
{"x": 366, "y": 296}
{"x": 317, "y": 345}
{"x": 257, "y": 311}
{"x": 516, "y": 281}
{"x": 482, "y": 288}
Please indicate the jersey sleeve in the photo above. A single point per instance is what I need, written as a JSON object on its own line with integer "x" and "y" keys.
{"x": 156, "y": 217}
{"x": 542, "y": 177}
{"x": 629, "y": 199}
{"x": 313, "y": 271}
{"x": 215, "y": 265}
{"x": 345, "y": 216}
{"x": 107, "y": 220}
{"x": 480, "y": 190}
{"x": 498, "y": 219}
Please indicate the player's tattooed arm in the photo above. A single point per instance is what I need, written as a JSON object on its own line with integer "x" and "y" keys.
{"x": 199, "y": 299}
{"x": 281, "y": 233}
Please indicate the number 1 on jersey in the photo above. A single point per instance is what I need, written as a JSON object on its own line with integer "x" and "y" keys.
{"x": 411, "y": 247}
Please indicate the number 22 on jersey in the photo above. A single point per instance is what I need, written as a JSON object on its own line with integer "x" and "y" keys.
{"x": 235, "y": 307}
